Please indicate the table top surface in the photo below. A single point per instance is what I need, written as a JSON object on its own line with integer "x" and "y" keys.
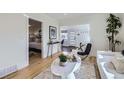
{"x": 54, "y": 42}
{"x": 64, "y": 70}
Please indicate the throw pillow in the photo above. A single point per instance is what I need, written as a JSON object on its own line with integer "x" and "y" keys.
{"x": 119, "y": 65}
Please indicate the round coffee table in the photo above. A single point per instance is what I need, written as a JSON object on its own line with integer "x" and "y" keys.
{"x": 67, "y": 71}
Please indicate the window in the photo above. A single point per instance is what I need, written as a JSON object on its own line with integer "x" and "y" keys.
{"x": 64, "y": 34}
{"x": 76, "y": 34}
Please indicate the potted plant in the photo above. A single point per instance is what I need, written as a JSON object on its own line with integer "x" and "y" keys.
{"x": 113, "y": 26}
{"x": 63, "y": 59}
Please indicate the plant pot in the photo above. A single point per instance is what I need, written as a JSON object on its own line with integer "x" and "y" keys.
{"x": 62, "y": 63}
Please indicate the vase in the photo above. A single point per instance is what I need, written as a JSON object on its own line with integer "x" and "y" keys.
{"x": 62, "y": 63}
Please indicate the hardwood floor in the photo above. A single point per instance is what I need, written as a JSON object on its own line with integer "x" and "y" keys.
{"x": 33, "y": 69}
{"x": 34, "y": 58}
{"x": 37, "y": 66}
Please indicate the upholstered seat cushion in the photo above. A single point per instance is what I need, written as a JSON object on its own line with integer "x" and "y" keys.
{"x": 81, "y": 53}
{"x": 109, "y": 66}
{"x": 119, "y": 65}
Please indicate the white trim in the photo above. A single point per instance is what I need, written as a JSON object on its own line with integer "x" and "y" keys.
{"x": 27, "y": 50}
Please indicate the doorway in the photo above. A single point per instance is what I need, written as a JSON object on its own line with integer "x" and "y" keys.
{"x": 35, "y": 40}
{"x": 75, "y": 35}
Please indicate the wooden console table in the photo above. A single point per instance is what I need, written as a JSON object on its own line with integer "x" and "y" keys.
{"x": 50, "y": 44}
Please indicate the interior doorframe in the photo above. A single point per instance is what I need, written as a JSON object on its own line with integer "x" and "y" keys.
{"x": 28, "y": 37}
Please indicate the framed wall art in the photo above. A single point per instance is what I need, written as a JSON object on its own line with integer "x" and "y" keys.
{"x": 52, "y": 32}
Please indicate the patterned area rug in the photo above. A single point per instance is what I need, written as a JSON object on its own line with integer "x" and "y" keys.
{"x": 87, "y": 71}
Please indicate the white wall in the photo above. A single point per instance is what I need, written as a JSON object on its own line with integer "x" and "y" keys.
{"x": 97, "y": 29}
{"x": 14, "y": 34}
{"x": 121, "y": 33}
{"x": 13, "y": 40}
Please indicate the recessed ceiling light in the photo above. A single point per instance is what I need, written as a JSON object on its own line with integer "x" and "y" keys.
{"x": 26, "y": 15}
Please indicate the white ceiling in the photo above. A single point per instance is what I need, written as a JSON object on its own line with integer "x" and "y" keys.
{"x": 61, "y": 16}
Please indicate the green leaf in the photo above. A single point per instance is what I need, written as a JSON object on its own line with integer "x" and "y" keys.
{"x": 117, "y": 42}
{"x": 109, "y": 38}
{"x": 116, "y": 32}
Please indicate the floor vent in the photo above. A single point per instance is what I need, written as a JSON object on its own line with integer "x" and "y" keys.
{"x": 7, "y": 69}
